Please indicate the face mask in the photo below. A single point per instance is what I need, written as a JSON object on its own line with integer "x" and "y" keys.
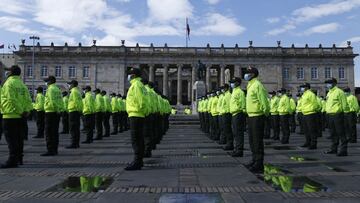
{"x": 297, "y": 98}
{"x": 69, "y": 86}
{"x": 279, "y": 94}
{"x": 223, "y": 91}
{"x": 247, "y": 77}
{"x": 270, "y": 96}
{"x": 7, "y": 73}
{"x": 129, "y": 78}
{"x": 47, "y": 84}
{"x": 218, "y": 92}
{"x": 302, "y": 89}
{"x": 328, "y": 86}
{"x": 232, "y": 85}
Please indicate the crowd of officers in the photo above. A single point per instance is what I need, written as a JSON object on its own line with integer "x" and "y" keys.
{"x": 144, "y": 110}
{"x": 228, "y": 112}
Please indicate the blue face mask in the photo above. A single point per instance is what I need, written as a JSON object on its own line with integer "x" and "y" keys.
{"x": 302, "y": 89}
{"x": 129, "y": 78}
{"x": 329, "y": 86}
{"x": 247, "y": 77}
{"x": 232, "y": 85}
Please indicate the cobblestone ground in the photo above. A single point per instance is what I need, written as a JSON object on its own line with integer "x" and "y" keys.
{"x": 185, "y": 167}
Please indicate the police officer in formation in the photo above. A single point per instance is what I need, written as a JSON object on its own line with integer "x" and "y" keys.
{"x": 75, "y": 108}
{"x": 141, "y": 102}
{"x": 65, "y": 113}
{"x": 338, "y": 111}
{"x": 336, "y": 105}
{"x": 40, "y": 113}
{"x": 15, "y": 105}
{"x": 89, "y": 115}
{"x": 238, "y": 113}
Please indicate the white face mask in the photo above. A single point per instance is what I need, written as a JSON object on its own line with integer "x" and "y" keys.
{"x": 129, "y": 78}
{"x": 69, "y": 86}
{"x": 270, "y": 96}
{"x": 7, "y": 73}
{"x": 247, "y": 76}
{"x": 329, "y": 86}
{"x": 302, "y": 89}
{"x": 232, "y": 85}
{"x": 47, "y": 84}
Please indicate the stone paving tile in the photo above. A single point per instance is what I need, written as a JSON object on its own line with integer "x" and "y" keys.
{"x": 185, "y": 163}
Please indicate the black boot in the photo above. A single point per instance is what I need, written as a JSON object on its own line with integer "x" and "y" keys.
{"x": 134, "y": 166}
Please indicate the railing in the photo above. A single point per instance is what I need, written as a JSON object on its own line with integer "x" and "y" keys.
{"x": 187, "y": 51}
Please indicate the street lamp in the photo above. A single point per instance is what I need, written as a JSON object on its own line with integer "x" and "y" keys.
{"x": 34, "y": 38}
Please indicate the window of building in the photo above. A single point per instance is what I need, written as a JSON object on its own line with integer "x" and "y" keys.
{"x": 72, "y": 72}
{"x": 44, "y": 71}
{"x": 29, "y": 71}
{"x": 86, "y": 71}
{"x": 58, "y": 71}
{"x": 286, "y": 74}
{"x": 341, "y": 73}
{"x": 300, "y": 73}
{"x": 328, "y": 73}
{"x": 314, "y": 73}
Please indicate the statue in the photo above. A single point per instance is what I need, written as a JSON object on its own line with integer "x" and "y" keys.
{"x": 201, "y": 71}
{"x": 227, "y": 76}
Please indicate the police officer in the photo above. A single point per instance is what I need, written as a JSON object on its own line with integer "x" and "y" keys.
{"x": 292, "y": 122}
{"x": 114, "y": 113}
{"x": 237, "y": 110}
{"x": 156, "y": 108}
{"x": 350, "y": 116}
{"x": 257, "y": 107}
{"x": 274, "y": 115}
{"x": 309, "y": 116}
{"x": 40, "y": 113}
{"x": 284, "y": 110}
{"x": 121, "y": 113}
{"x": 136, "y": 109}
{"x": 65, "y": 113}
{"x": 225, "y": 106}
{"x": 99, "y": 112}
{"x": 53, "y": 107}
{"x": 299, "y": 113}
{"x": 214, "y": 130}
{"x": 147, "y": 130}
{"x": 107, "y": 113}
{"x": 16, "y": 105}
{"x": 89, "y": 115}
{"x": 220, "y": 121}
{"x": 336, "y": 104}
{"x": 75, "y": 107}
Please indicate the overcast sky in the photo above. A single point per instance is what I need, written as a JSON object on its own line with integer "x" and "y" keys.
{"x": 229, "y": 22}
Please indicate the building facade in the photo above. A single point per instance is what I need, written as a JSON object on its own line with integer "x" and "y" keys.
{"x": 6, "y": 60}
{"x": 173, "y": 69}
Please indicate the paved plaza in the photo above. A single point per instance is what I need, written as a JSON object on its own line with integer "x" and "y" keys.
{"x": 185, "y": 167}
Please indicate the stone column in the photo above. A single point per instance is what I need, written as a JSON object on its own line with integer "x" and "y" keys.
{"x": 165, "y": 80}
{"x": 207, "y": 77}
{"x": 222, "y": 74}
{"x": 179, "y": 84}
{"x": 193, "y": 80}
{"x": 237, "y": 71}
{"x": 189, "y": 91}
{"x": 151, "y": 73}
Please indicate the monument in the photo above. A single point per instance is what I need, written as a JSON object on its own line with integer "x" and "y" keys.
{"x": 199, "y": 87}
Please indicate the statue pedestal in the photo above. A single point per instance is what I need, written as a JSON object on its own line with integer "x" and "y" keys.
{"x": 199, "y": 91}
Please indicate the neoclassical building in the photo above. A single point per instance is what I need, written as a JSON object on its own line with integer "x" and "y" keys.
{"x": 173, "y": 69}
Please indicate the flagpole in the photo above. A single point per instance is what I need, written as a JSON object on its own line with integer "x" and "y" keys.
{"x": 186, "y": 33}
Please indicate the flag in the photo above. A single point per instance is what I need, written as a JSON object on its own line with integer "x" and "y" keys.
{"x": 187, "y": 29}
{"x": 1, "y": 46}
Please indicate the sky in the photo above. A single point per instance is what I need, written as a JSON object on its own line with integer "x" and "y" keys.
{"x": 216, "y": 22}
